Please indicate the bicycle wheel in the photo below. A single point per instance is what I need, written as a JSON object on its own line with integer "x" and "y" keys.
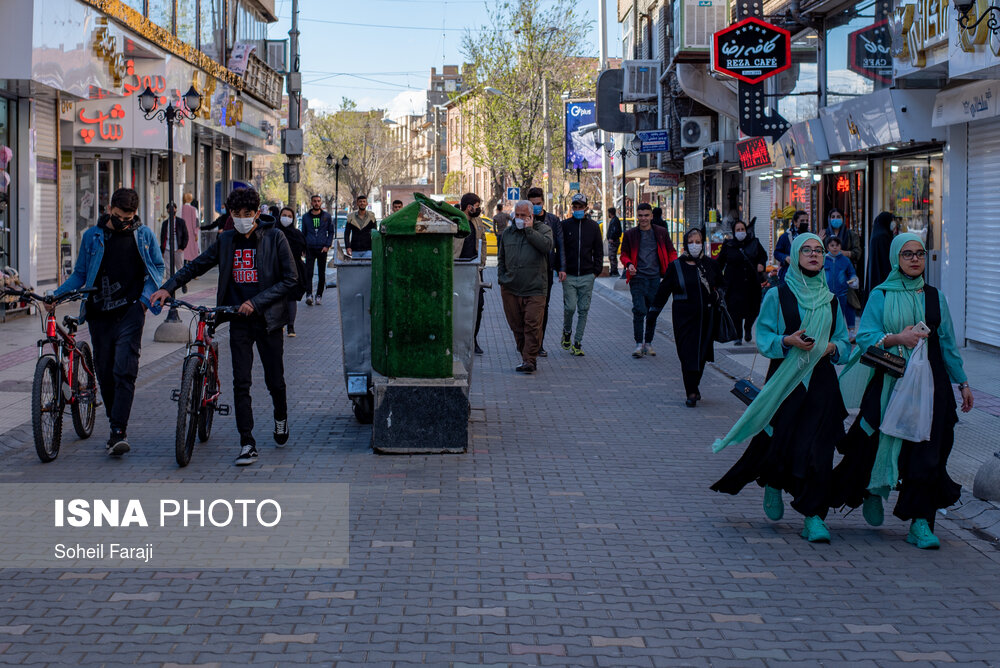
{"x": 84, "y": 406}
{"x": 47, "y": 408}
{"x": 188, "y": 408}
{"x": 207, "y": 415}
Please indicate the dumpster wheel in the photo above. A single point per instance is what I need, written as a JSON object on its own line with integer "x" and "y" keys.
{"x": 364, "y": 409}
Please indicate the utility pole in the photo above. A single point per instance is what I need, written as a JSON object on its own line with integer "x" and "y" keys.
{"x": 602, "y": 22}
{"x": 548, "y": 141}
{"x": 437, "y": 146}
{"x": 292, "y": 147}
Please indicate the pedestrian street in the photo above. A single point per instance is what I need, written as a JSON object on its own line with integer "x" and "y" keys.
{"x": 578, "y": 530}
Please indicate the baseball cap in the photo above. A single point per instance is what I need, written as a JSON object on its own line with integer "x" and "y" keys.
{"x": 578, "y": 198}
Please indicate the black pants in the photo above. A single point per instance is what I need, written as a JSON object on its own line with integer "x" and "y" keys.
{"x": 545, "y": 317}
{"x": 613, "y": 255}
{"x": 482, "y": 303}
{"x": 318, "y": 258}
{"x": 243, "y": 335}
{"x": 692, "y": 379}
{"x": 117, "y": 342}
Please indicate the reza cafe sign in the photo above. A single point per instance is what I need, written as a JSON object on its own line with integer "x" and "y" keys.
{"x": 751, "y": 50}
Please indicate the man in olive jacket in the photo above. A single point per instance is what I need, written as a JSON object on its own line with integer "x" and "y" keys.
{"x": 522, "y": 264}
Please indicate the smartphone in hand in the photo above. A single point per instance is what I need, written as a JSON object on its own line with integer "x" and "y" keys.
{"x": 922, "y": 328}
{"x": 808, "y": 339}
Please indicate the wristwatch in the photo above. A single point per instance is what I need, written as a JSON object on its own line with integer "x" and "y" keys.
{"x": 962, "y": 386}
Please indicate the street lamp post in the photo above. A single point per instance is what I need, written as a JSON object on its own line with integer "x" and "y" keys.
{"x": 623, "y": 153}
{"x": 171, "y": 330}
{"x": 336, "y": 164}
{"x": 580, "y": 166}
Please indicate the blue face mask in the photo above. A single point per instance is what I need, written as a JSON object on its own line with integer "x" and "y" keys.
{"x": 536, "y": 209}
{"x": 836, "y": 223}
{"x": 579, "y": 214}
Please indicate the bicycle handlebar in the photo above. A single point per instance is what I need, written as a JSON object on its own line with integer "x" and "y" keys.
{"x": 49, "y": 299}
{"x": 196, "y": 308}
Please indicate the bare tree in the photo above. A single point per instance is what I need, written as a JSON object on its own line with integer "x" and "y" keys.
{"x": 505, "y": 73}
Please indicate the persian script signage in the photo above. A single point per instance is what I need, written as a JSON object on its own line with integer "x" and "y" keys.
{"x": 753, "y": 153}
{"x": 752, "y": 50}
{"x": 870, "y": 52}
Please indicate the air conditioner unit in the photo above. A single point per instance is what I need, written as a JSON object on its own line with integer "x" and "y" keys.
{"x": 277, "y": 59}
{"x": 696, "y": 131}
{"x": 642, "y": 77}
{"x": 695, "y": 21}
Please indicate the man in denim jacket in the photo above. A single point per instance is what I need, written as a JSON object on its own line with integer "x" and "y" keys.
{"x": 121, "y": 258}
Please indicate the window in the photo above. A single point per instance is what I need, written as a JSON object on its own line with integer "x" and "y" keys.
{"x": 161, "y": 12}
{"x": 187, "y": 15}
{"x": 210, "y": 29}
{"x": 844, "y": 81}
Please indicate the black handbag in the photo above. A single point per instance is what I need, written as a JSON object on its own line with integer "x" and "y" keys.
{"x": 882, "y": 360}
{"x": 725, "y": 329}
{"x": 745, "y": 391}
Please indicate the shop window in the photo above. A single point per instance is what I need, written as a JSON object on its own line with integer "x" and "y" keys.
{"x": 161, "y": 12}
{"x": 799, "y": 84}
{"x": 858, "y": 58}
{"x": 6, "y": 186}
{"x": 912, "y": 194}
{"x": 187, "y": 21}
{"x": 210, "y": 28}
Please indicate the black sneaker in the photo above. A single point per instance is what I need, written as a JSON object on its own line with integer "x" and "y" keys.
{"x": 577, "y": 350}
{"x": 542, "y": 352}
{"x": 281, "y": 432}
{"x": 566, "y": 343}
{"x": 117, "y": 444}
{"x": 291, "y": 331}
{"x": 479, "y": 351}
{"x": 248, "y": 455}
{"x": 524, "y": 367}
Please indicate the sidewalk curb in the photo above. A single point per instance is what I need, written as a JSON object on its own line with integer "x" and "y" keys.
{"x": 981, "y": 518}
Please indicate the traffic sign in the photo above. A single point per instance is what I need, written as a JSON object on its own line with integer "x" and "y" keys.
{"x": 574, "y": 185}
{"x": 654, "y": 141}
{"x": 513, "y": 194}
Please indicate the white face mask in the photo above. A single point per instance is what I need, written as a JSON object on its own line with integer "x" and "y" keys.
{"x": 244, "y": 225}
{"x": 740, "y": 236}
{"x": 694, "y": 250}
{"x": 286, "y": 220}
{"x": 519, "y": 222}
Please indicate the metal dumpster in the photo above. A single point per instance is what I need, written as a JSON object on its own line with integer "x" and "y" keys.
{"x": 354, "y": 287}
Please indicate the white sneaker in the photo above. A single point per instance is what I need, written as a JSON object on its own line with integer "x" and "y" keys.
{"x": 639, "y": 351}
{"x": 647, "y": 348}
{"x": 319, "y": 300}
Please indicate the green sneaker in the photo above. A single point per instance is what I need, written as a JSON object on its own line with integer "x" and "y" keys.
{"x": 921, "y": 536}
{"x": 774, "y": 507}
{"x": 872, "y": 510}
{"x": 566, "y": 345}
{"x": 815, "y": 530}
{"x": 577, "y": 350}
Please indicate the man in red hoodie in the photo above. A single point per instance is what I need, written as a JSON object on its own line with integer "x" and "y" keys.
{"x": 646, "y": 253}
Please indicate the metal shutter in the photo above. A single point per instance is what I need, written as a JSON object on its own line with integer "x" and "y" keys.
{"x": 982, "y": 266}
{"x": 46, "y": 193}
{"x": 692, "y": 201}
{"x": 760, "y": 208}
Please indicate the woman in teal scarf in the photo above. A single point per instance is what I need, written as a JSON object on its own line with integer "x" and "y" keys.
{"x": 875, "y": 463}
{"x": 798, "y": 418}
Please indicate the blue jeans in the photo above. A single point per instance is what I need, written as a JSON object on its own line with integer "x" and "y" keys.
{"x": 643, "y": 322}
{"x": 849, "y": 314}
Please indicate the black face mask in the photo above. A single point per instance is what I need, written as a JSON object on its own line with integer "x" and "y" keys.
{"x": 475, "y": 212}
{"x": 121, "y": 225}
{"x": 803, "y": 227}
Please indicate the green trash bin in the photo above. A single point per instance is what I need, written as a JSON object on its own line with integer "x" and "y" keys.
{"x": 412, "y": 289}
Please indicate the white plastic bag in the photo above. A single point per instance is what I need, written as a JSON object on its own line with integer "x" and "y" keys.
{"x": 911, "y": 407}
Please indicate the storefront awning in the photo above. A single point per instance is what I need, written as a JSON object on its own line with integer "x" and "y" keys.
{"x": 964, "y": 104}
{"x": 879, "y": 120}
{"x": 803, "y": 144}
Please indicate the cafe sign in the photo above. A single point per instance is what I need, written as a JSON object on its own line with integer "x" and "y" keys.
{"x": 870, "y": 52}
{"x": 751, "y": 50}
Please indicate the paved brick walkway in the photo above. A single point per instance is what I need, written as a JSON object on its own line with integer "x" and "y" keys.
{"x": 579, "y": 531}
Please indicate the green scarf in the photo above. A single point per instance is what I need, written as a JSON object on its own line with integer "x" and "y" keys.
{"x": 904, "y": 306}
{"x": 814, "y": 298}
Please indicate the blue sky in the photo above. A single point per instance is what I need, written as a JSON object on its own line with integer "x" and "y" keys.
{"x": 386, "y": 57}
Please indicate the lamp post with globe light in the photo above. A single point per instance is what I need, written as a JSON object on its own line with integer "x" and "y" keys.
{"x": 171, "y": 330}
{"x": 336, "y": 164}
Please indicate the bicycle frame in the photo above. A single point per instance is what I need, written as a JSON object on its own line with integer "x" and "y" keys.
{"x": 203, "y": 349}
{"x": 64, "y": 350}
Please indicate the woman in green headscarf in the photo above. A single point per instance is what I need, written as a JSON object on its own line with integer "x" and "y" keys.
{"x": 798, "y": 418}
{"x": 875, "y": 463}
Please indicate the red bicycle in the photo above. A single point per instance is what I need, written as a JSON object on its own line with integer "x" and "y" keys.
{"x": 198, "y": 397}
{"x": 63, "y": 375}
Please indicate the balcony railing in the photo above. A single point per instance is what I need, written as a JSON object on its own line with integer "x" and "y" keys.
{"x": 262, "y": 83}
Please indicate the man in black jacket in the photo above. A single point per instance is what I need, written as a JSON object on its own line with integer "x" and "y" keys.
{"x": 584, "y": 256}
{"x": 319, "y": 231}
{"x": 257, "y": 273}
{"x": 614, "y": 239}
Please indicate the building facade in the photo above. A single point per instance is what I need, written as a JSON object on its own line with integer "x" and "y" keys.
{"x": 72, "y": 128}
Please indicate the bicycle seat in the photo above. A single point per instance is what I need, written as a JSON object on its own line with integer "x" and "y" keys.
{"x": 69, "y": 322}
